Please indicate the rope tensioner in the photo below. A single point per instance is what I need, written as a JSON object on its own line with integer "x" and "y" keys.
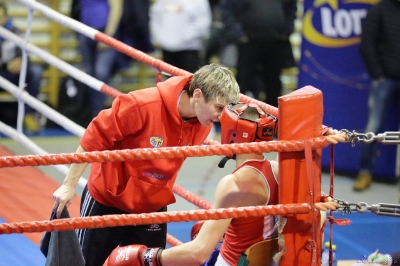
{"x": 389, "y": 137}
{"x": 385, "y": 209}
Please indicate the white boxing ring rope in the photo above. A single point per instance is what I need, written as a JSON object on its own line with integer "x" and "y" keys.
{"x": 54, "y": 61}
{"x": 22, "y": 76}
{"x": 50, "y": 113}
{"x": 93, "y": 33}
{"x": 30, "y": 145}
{"x": 60, "y": 18}
{"x": 44, "y": 109}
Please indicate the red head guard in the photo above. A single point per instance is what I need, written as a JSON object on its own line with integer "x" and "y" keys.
{"x": 236, "y": 129}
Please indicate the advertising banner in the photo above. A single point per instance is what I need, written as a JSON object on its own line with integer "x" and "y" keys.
{"x": 330, "y": 61}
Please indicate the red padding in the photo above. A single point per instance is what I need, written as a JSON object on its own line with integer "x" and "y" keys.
{"x": 300, "y": 117}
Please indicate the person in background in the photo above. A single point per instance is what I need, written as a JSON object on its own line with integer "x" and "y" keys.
{"x": 177, "y": 112}
{"x": 380, "y": 46}
{"x": 134, "y": 30}
{"x": 10, "y": 68}
{"x": 98, "y": 59}
{"x": 178, "y": 28}
{"x": 261, "y": 30}
{"x": 254, "y": 182}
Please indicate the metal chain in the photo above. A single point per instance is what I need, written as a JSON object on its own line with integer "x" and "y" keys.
{"x": 384, "y": 209}
{"x": 389, "y": 137}
{"x": 345, "y": 207}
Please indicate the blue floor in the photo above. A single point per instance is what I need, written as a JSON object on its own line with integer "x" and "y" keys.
{"x": 18, "y": 250}
{"x": 366, "y": 233}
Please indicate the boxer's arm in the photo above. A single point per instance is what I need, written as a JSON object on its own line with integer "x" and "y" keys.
{"x": 199, "y": 250}
{"x": 195, "y": 252}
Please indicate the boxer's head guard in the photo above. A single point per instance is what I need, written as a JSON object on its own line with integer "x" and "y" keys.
{"x": 246, "y": 122}
{"x": 237, "y": 127}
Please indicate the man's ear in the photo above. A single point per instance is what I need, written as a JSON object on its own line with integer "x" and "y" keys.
{"x": 197, "y": 94}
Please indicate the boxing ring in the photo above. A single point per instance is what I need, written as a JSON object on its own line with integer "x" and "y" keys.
{"x": 300, "y": 143}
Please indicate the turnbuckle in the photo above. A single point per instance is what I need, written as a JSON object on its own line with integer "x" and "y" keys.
{"x": 389, "y": 137}
{"x": 345, "y": 207}
{"x": 385, "y": 209}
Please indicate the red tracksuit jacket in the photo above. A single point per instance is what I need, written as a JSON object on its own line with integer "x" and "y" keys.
{"x": 145, "y": 118}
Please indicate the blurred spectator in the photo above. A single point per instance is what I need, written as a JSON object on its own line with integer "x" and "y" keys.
{"x": 380, "y": 46}
{"x": 98, "y": 59}
{"x": 218, "y": 44}
{"x": 130, "y": 27}
{"x": 261, "y": 30}
{"x": 10, "y": 68}
{"x": 178, "y": 28}
{"x": 134, "y": 30}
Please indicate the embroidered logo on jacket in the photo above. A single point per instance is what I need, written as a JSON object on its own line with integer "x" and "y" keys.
{"x": 154, "y": 175}
{"x": 156, "y": 141}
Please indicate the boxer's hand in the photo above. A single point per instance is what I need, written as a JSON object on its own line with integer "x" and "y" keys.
{"x": 196, "y": 229}
{"x": 135, "y": 255}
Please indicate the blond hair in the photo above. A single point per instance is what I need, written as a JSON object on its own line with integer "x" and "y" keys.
{"x": 216, "y": 82}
